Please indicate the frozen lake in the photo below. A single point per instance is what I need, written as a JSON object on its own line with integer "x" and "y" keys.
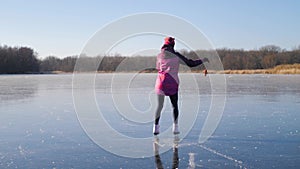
{"x": 259, "y": 128}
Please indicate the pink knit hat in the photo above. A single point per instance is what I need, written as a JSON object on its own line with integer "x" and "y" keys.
{"x": 169, "y": 40}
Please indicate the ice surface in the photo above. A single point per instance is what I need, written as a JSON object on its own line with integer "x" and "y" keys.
{"x": 259, "y": 128}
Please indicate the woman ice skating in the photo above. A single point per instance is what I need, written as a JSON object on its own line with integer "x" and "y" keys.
{"x": 167, "y": 81}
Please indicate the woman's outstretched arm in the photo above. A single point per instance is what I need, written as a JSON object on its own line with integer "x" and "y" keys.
{"x": 190, "y": 62}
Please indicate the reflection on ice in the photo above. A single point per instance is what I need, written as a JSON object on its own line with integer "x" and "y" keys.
{"x": 158, "y": 161}
{"x": 17, "y": 87}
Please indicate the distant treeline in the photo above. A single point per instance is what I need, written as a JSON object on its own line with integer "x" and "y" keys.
{"x": 14, "y": 60}
{"x": 24, "y": 60}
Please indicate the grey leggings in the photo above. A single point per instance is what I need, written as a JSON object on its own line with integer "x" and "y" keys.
{"x": 174, "y": 102}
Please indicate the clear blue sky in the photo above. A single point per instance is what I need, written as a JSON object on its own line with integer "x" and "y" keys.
{"x": 62, "y": 27}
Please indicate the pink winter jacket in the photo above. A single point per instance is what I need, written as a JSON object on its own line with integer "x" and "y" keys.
{"x": 168, "y": 66}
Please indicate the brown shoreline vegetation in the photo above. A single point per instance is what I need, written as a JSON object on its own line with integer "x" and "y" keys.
{"x": 280, "y": 69}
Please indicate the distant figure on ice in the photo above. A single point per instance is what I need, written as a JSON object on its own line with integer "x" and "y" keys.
{"x": 167, "y": 81}
{"x": 205, "y": 72}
